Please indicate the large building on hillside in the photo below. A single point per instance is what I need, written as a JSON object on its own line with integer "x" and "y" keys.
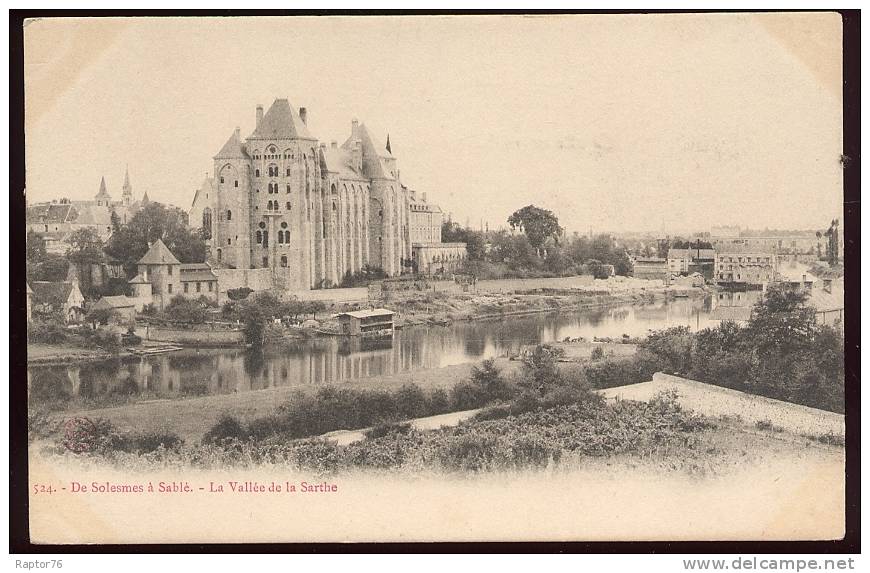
{"x": 281, "y": 199}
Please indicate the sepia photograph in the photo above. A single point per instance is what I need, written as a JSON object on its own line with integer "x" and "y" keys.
{"x": 399, "y": 278}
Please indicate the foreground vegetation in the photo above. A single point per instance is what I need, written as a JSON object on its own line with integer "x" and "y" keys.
{"x": 533, "y": 439}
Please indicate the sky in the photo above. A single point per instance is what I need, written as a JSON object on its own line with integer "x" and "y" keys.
{"x": 614, "y": 122}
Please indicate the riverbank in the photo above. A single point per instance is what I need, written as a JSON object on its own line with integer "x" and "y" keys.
{"x": 191, "y": 418}
{"x": 429, "y": 308}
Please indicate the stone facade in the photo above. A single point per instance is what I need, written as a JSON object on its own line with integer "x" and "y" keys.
{"x": 282, "y": 200}
{"x": 438, "y": 258}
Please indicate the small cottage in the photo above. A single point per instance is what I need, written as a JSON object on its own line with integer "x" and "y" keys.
{"x": 369, "y": 323}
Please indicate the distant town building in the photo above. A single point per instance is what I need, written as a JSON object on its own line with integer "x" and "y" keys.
{"x": 63, "y": 298}
{"x": 744, "y": 267}
{"x": 686, "y": 261}
{"x": 652, "y": 268}
{"x": 438, "y": 258}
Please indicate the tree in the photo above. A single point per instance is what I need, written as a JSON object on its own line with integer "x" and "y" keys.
{"x": 537, "y": 224}
{"x": 452, "y": 232}
{"x": 152, "y": 222}
{"x": 35, "y": 248}
{"x": 101, "y": 316}
{"x": 185, "y": 310}
{"x": 54, "y": 268}
{"x": 116, "y": 222}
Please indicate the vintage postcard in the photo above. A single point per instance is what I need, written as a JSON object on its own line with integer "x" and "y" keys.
{"x": 435, "y": 278}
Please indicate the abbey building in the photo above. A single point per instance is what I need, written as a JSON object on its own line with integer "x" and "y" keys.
{"x": 281, "y": 199}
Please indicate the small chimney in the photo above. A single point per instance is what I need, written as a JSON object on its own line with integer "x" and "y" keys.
{"x": 303, "y": 115}
{"x": 238, "y": 132}
{"x": 259, "y": 114}
{"x": 333, "y": 144}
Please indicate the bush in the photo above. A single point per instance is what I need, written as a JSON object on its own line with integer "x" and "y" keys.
{"x": 227, "y": 427}
{"x": 411, "y": 401}
{"x": 386, "y": 429}
{"x": 239, "y": 293}
{"x": 597, "y": 353}
{"x": 50, "y": 332}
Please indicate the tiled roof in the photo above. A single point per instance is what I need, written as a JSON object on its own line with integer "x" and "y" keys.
{"x": 54, "y": 293}
{"x": 368, "y": 313}
{"x": 339, "y": 161}
{"x": 159, "y": 254}
{"x": 232, "y": 149}
{"x": 197, "y": 272}
{"x": 50, "y": 213}
{"x": 103, "y": 192}
{"x": 114, "y": 302}
{"x": 281, "y": 122}
{"x": 372, "y": 155}
{"x": 822, "y": 300}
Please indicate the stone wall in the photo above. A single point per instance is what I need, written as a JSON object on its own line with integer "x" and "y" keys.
{"x": 254, "y": 279}
{"x": 192, "y": 336}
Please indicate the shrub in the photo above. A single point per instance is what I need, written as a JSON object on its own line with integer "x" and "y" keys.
{"x": 411, "y": 401}
{"x": 597, "y": 353}
{"x": 385, "y": 429}
{"x": 227, "y": 427}
{"x": 439, "y": 401}
{"x": 50, "y": 332}
{"x": 239, "y": 293}
{"x": 471, "y": 452}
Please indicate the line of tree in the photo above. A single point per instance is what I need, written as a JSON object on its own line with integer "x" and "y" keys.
{"x": 539, "y": 249}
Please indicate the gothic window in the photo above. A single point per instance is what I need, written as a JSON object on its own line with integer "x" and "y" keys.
{"x": 283, "y": 260}
{"x": 229, "y": 215}
{"x": 262, "y": 225}
{"x": 236, "y": 183}
{"x": 269, "y": 207}
{"x": 206, "y": 223}
{"x": 288, "y": 172}
{"x": 169, "y": 287}
{"x": 265, "y": 238}
{"x": 280, "y": 237}
{"x": 229, "y": 241}
{"x": 333, "y": 205}
{"x": 288, "y": 205}
{"x": 256, "y": 172}
{"x": 288, "y": 188}
{"x": 259, "y": 237}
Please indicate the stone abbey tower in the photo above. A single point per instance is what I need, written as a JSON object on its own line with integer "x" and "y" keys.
{"x": 280, "y": 199}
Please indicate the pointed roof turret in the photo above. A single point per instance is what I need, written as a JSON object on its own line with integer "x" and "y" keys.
{"x": 281, "y": 122}
{"x": 159, "y": 254}
{"x": 103, "y": 192}
{"x": 145, "y": 199}
{"x": 233, "y": 148}
{"x": 390, "y": 151}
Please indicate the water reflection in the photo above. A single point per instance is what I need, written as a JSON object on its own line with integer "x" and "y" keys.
{"x": 198, "y": 372}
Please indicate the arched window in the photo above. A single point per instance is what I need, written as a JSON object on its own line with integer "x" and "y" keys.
{"x": 288, "y": 205}
{"x": 219, "y": 254}
{"x": 229, "y": 215}
{"x": 288, "y": 188}
{"x": 206, "y": 223}
{"x": 265, "y": 238}
{"x": 256, "y": 172}
{"x": 283, "y": 260}
{"x": 259, "y": 237}
{"x": 280, "y": 237}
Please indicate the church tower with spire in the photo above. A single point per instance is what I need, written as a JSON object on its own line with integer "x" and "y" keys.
{"x": 127, "y": 194}
{"x": 103, "y": 198}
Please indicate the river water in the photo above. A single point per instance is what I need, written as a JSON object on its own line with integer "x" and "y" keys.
{"x": 197, "y": 372}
